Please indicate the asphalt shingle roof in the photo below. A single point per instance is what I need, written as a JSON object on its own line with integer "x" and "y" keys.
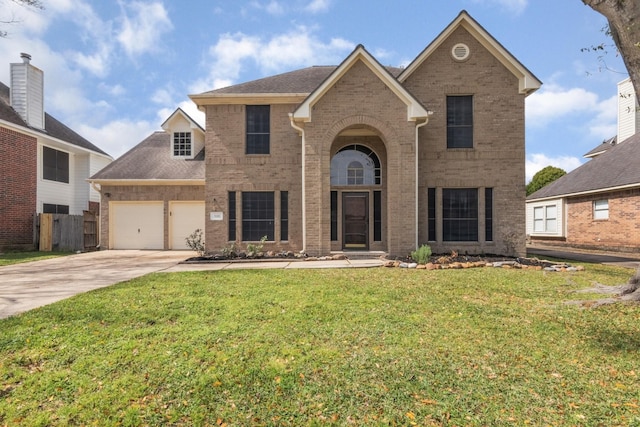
{"x": 302, "y": 81}
{"x": 618, "y": 166}
{"x": 152, "y": 159}
{"x": 602, "y": 147}
{"x": 52, "y": 127}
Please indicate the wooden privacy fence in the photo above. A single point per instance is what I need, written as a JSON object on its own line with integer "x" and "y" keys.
{"x": 59, "y": 232}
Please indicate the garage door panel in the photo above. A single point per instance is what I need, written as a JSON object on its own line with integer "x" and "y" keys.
{"x": 137, "y": 225}
{"x": 185, "y": 218}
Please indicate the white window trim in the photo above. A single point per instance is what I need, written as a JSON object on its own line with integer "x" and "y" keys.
{"x": 545, "y": 219}
{"x": 173, "y": 145}
{"x": 601, "y": 210}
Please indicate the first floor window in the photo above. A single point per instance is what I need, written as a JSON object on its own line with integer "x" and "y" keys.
{"x": 258, "y": 216}
{"x": 55, "y": 209}
{"x": 334, "y": 216}
{"x": 601, "y": 209}
{"x": 488, "y": 214}
{"x": 377, "y": 216}
{"x": 431, "y": 213}
{"x": 232, "y": 216}
{"x": 55, "y": 165}
{"x": 284, "y": 215}
{"x": 545, "y": 219}
{"x": 460, "y": 214}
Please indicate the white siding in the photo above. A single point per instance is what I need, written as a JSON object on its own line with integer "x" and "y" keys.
{"x": 557, "y": 207}
{"x": 58, "y": 193}
{"x": 628, "y": 114}
{"x": 96, "y": 163}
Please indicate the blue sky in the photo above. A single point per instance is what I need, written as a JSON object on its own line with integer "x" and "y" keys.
{"x": 116, "y": 69}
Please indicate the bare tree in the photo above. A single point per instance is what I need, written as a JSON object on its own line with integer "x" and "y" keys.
{"x": 624, "y": 26}
{"x": 34, "y": 4}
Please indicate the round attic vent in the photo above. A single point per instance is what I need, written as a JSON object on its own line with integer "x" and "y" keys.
{"x": 460, "y": 52}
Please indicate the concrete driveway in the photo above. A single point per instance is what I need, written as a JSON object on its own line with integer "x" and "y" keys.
{"x": 34, "y": 284}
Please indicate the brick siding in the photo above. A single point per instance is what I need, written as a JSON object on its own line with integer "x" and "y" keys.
{"x": 620, "y": 232}
{"x": 18, "y": 181}
{"x": 144, "y": 193}
{"x": 361, "y": 100}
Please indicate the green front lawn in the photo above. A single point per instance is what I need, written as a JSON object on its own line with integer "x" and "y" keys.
{"x": 10, "y": 258}
{"x": 484, "y": 347}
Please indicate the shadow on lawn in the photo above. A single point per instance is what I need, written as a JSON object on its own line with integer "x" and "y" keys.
{"x": 613, "y": 340}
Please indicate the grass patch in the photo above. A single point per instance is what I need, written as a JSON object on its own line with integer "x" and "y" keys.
{"x": 314, "y": 347}
{"x": 10, "y": 258}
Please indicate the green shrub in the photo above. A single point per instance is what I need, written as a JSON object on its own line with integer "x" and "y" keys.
{"x": 422, "y": 254}
{"x": 195, "y": 242}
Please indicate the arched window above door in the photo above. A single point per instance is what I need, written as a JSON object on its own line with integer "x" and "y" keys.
{"x": 355, "y": 165}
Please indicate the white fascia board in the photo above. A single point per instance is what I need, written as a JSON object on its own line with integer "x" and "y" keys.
{"x": 125, "y": 182}
{"x": 415, "y": 110}
{"x": 204, "y": 99}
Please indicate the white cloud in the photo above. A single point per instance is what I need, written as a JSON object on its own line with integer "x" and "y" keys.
{"x": 115, "y": 90}
{"x": 317, "y": 6}
{"x": 116, "y": 137}
{"x": 142, "y": 27}
{"x": 537, "y": 161}
{"x": 570, "y": 106}
{"x": 96, "y": 63}
{"x": 272, "y": 8}
{"x": 553, "y": 102}
{"x": 296, "y": 48}
{"x": 514, "y": 6}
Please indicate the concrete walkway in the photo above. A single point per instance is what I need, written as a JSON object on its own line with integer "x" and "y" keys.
{"x": 34, "y": 284}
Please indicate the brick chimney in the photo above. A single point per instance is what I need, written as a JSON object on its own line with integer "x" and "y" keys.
{"x": 27, "y": 91}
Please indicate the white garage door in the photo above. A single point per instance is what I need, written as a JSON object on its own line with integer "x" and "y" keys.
{"x": 184, "y": 219}
{"x": 137, "y": 225}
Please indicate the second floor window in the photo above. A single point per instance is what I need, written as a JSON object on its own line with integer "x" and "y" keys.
{"x": 182, "y": 144}
{"x": 55, "y": 165}
{"x": 460, "y": 121}
{"x": 258, "y": 129}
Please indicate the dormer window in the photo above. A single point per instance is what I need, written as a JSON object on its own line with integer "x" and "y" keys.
{"x": 182, "y": 144}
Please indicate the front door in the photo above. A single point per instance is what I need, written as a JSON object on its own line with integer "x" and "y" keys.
{"x": 355, "y": 220}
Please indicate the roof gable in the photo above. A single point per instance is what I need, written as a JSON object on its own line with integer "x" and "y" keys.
{"x": 415, "y": 110}
{"x": 177, "y": 116}
{"x": 528, "y": 83}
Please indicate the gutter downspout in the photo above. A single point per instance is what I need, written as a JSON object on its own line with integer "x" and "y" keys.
{"x": 304, "y": 188}
{"x": 417, "y": 176}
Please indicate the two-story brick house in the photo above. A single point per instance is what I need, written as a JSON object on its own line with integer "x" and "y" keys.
{"x": 44, "y": 165}
{"x": 371, "y": 158}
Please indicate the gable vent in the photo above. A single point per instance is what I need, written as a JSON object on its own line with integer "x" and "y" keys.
{"x": 460, "y": 52}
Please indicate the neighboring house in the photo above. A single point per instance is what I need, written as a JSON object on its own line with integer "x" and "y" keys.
{"x": 597, "y": 205}
{"x": 354, "y": 157}
{"x": 44, "y": 165}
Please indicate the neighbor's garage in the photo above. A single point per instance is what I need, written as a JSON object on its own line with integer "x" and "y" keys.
{"x": 137, "y": 225}
{"x": 184, "y": 219}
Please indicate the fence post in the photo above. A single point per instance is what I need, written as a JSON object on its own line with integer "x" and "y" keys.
{"x": 46, "y": 232}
